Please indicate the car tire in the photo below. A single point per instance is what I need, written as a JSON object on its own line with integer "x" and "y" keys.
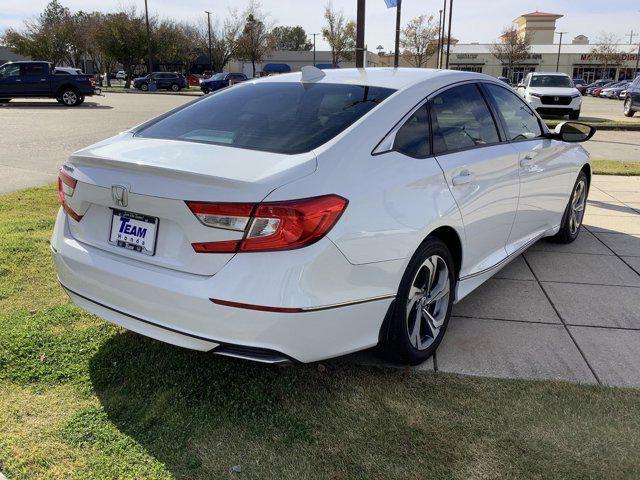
{"x": 420, "y": 313}
{"x": 144, "y": 87}
{"x": 575, "y": 115}
{"x": 628, "y": 111}
{"x": 574, "y": 212}
{"x": 70, "y": 97}
{"x": 205, "y": 90}
{"x": 175, "y": 87}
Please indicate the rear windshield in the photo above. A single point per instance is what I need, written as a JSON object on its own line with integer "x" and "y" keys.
{"x": 550, "y": 81}
{"x": 280, "y": 117}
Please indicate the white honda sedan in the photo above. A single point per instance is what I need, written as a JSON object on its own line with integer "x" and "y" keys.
{"x": 306, "y": 216}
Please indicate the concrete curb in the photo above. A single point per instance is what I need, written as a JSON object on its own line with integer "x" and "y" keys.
{"x": 137, "y": 92}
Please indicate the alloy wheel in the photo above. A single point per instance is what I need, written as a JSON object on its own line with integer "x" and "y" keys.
{"x": 578, "y": 201}
{"x": 627, "y": 105}
{"x": 69, "y": 97}
{"x": 428, "y": 302}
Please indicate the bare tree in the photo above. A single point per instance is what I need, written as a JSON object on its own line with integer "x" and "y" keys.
{"x": 224, "y": 39}
{"x": 256, "y": 40}
{"x": 606, "y": 52}
{"x": 340, "y": 34}
{"x": 512, "y": 49}
{"x": 418, "y": 39}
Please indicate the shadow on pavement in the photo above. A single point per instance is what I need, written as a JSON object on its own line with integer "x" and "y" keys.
{"x": 54, "y": 106}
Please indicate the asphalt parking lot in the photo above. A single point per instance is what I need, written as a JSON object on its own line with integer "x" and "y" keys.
{"x": 38, "y": 135}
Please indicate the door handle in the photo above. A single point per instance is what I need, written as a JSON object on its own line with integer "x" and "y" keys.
{"x": 527, "y": 161}
{"x": 463, "y": 178}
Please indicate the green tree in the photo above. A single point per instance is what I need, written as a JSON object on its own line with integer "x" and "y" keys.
{"x": 256, "y": 40}
{"x": 291, "y": 38}
{"x": 123, "y": 37}
{"x": 418, "y": 40}
{"x": 48, "y": 37}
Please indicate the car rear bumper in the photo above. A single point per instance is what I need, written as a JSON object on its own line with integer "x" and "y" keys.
{"x": 175, "y": 307}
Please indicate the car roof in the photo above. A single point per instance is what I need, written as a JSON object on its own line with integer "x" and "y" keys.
{"x": 559, "y": 74}
{"x": 396, "y": 78}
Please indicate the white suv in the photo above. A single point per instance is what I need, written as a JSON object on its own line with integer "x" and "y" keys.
{"x": 551, "y": 94}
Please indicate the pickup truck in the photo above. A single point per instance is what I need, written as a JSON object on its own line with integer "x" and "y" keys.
{"x": 39, "y": 80}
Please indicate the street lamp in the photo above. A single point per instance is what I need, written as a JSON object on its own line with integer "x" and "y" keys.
{"x": 360, "y": 34}
{"x": 439, "y": 40}
{"x": 449, "y": 32}
{"x": 396, "y": 55}
{"x": 209, "y": 30}
{"x": 559, "y": 47}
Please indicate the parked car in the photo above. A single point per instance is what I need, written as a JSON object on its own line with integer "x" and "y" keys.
{"x": 614, "y": 90}
{"x": 221, "y": 80}
{"x": 162, "y": 80}
{"x": 632, "y": 98}
{"x": 313, "y": 214}
{"x": 580, "y": 84}
{"x": 597, "y": 84}
{"x": 551, "y": 94}
{"x": 39, "y": 80}
{"x": 67, "y": 71}
{"x": 121, "y": 75}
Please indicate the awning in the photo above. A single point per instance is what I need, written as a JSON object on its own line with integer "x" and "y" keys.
{"x": 276, "y": 68}
{"x": 323, "y": 66}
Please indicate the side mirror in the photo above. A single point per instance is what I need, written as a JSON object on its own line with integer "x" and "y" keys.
{"x": 574, "y": 132}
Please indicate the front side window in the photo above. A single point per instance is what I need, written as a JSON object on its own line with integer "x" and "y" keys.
{"x": 520, "y": 121}
{"x": 10, "y": 71}
{"x": 412, "y": 138}
{"x": 461, "y": 119}
{"x": 551, "y": 81}
{"x": 280, "y": 117}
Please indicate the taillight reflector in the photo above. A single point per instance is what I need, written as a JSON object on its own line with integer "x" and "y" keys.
{"x": 269, "y": 226}
{"x": 262, "y": 308}
{"x": 66, "y": 188}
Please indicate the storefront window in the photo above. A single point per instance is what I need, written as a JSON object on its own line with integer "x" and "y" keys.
{"x": 517, "y": 73}
{"x": 468, "y": 68}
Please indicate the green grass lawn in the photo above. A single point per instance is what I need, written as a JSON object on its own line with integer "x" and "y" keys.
{"x": 80, "y": 399}
{"x": 615, "y": 167}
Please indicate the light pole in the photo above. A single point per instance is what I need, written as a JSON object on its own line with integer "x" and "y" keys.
{"x": 449, "y": 32}
{"x": 444, "y": 23}
{"x": 209, "y": 30}
{"x": 559, "y": 47}
{"x": 146, "y": 13}
{"x": 314, "y": 48}
{"x": 396, "y": 55}
{"x": 360, "y": 34}
{"x": 439, "y": 40}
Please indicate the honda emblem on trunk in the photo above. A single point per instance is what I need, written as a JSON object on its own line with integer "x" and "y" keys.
{"x": 119, "y": 195}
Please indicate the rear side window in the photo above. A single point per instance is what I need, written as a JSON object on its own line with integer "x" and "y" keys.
{"x": 520, "y": 121}
{"x": 33, "y": 70}
{"x": 412, "y": 138}
{"x": 280, "y": 117}
{"x": 461, "y": 119}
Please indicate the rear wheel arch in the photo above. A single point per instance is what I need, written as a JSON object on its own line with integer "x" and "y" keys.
{"x": 586, "y": 168}
{"x": 451, "y": 239}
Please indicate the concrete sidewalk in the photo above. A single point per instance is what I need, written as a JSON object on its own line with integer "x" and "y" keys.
{"x": 566, "y": 312}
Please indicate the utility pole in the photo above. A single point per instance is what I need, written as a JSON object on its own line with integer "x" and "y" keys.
{"x": 559, "y": 47}
{"x": 396, "y": 56}
{"x": 360, "y": 34}
{"x": 444, "y": 23}
{"x": 146, "y": 13}
{"x": 314, "y": 48}
{"x": 209, "y": 30}
{"x": 439, "y": 40}
{"x": 631, "y": 35}
{"x": 449, "y": 33}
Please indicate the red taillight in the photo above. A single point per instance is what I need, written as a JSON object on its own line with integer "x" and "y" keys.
{"x": 66, "y": 187}
{"x": 269, "y": 226}
{"x": 92, "y": 81}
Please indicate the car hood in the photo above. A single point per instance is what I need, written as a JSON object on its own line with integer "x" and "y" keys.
{"x": 554, "y": 91}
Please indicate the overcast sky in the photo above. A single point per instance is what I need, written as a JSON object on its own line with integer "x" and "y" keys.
{"x": 473, "y": 20}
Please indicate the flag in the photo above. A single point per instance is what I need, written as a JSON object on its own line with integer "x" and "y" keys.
{"x": 391, "y": 3}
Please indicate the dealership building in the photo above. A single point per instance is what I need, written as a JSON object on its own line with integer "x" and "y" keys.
{"x": 575, "y": 59}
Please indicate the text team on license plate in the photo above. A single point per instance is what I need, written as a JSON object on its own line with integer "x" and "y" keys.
{"x": 134, "y": 231}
